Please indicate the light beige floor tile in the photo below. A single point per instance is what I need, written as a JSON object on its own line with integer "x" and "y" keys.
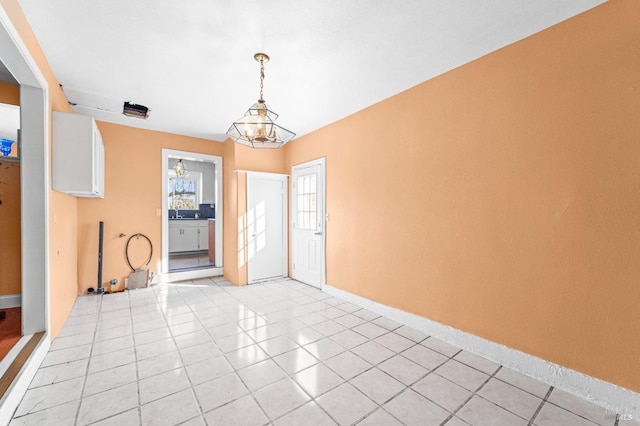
{"x": 581, "y": 407}
{"x": 107, "y": 404}
{"x": 49, "y": 396}
{"x": 63, "y": 414}
{"x": 402, "y": 369}
{"x": 377, "y": 385}
{"x": 59, "y": 373}
{"x": 552, "y": 415}
{"x": 477, "y": 362}
{"x": 480, "y": 412}
{"x": 261, "y": 374}
{"x": 324, "y": 349}
{"x": 424, "y": 356}
{"x": 160, "y": 364}
{"x": 411, "y": 333}
{"x": 395, "y": 342}
{"x": 463, "y": 375}
{"x": 220, "y": 391}
{"x": 380, "y": 418}
{"x": 308, "y": 414}
{"x": 413, "y": 409}
{"x": 161, "y": 385}
{"x": 281, "y": 397}
{"x": 109, "y": 379}
{"x": 346, "y": 404}
{"x": 523, "y": 382}
{"x": 511, "y": 398}
{"x": 347, "y": 365}
{"x": 128, "y": 418}
{"x": 241, "y": 412}
{"x": 296, "y": 360}
{"x": 278, "y": 345}
{"x": 441, "y": 391}
{"x": 317, "y": 379}
{"x": 370, "y": 330}
{"x": 170, "y": 410}
{"x": 372, "y": 352}
{"x": 440, "y": 346}
{"x": 246, "y": 356}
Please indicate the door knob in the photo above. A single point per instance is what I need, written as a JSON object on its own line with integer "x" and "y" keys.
{"x": 318, "y": 233}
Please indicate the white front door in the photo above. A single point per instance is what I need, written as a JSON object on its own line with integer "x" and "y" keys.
{"x": 308, "y": 223}
{"x": 266, "y": 226}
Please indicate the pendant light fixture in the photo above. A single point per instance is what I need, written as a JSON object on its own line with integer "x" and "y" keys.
{"x": 180, "y": 169}
{"x": 258, "y": 127}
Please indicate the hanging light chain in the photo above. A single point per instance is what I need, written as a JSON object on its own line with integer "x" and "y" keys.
{"x": 261, "y": 76}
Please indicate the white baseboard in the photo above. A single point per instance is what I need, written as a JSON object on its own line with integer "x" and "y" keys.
{"x": 9, "y": 403}
{"x": 605, "y": 394}
{"x": 10, "y": 301}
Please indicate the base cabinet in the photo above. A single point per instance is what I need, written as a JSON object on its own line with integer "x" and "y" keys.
{"x": 188, "y": 235}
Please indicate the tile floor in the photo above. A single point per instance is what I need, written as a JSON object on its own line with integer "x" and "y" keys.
{"x": 279, "y": 353}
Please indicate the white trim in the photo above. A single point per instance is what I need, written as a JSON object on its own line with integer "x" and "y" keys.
{"x": 285, "y": 222}
{"x": 607, "y": 395}
{"x": 13, "y": 396}
{"x": 163, "y": 269}
{"x": 322, "y": 161}
{"x": 11, "y": 301}
{"x": 260, "y": 173}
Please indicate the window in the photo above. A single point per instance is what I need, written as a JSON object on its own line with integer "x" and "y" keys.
{"x": 306, "y": 203}
{"x": 185, "y": 192}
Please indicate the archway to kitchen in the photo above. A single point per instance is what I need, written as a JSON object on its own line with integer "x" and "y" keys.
{"x": 191, "y": 215}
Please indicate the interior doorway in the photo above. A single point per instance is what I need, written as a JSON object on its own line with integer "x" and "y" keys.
{"x": 191, "y": 215}
{"x": 308, "y": 215}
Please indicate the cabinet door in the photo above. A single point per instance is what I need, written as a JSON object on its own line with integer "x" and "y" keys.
{"x": 175, "y": 240}
{"x": 203, "y": 237}
{"x": 190, "y": 235}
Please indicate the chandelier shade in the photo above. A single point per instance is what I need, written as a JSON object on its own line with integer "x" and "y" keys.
{"x": 180, "y": 169}
{"x": 258, "y": 127}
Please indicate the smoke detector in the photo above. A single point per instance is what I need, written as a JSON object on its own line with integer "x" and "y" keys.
{"x": 135, "y": 111}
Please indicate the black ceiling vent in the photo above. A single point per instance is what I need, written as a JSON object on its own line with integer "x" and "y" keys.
{"x": 136, "y": 111}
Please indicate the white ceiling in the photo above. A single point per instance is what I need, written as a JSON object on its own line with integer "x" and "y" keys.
{"x": 191, "y": 62}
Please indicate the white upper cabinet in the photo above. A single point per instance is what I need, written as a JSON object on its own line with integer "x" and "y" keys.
{"x": 78, "y": 155}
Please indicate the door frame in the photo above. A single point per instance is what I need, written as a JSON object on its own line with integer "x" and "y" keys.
{"x": 322, "y": 162}
{"x": 165, "y": 275}
{"x": 34, "y": 175}
{"x": 285, "y": 219}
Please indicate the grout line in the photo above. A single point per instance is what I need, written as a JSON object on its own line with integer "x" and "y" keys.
{"x": 86, "y": 371}
{"x": 474, "y": 393}
{"x": 544, "y": 401}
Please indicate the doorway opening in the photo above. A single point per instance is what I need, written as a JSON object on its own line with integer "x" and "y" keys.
{"x": 10, "y": 218}
{"x": 191, "y": 215}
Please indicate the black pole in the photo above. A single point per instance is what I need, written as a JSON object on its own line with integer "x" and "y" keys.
{"x": 100, "y": 289}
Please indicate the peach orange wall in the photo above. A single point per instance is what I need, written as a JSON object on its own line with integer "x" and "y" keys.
{"x": 10, "y": 259}
{"x": 9, "y": 94}
{"x": 62, "y": 208}
{"x": 502, "y": 198}
{"x": 10, "y": 256}
{"x": 230, "y": 248}
{"x": 132, "y": 202}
